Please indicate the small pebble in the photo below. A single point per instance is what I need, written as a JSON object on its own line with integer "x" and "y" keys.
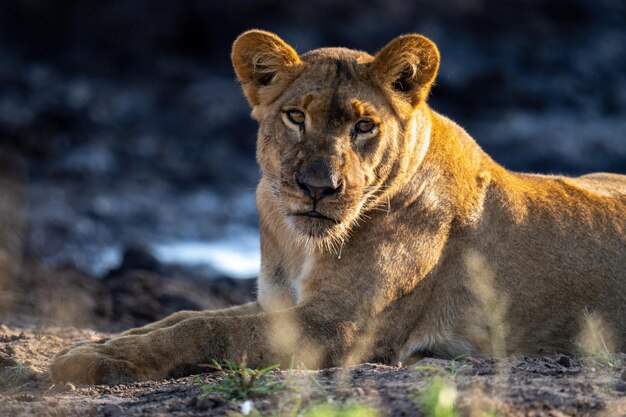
{"x": 564, "y": 361}
{"x": 112, "y": 410}
{"x": 246, "y": 407}
{"x": 25, "y": 397}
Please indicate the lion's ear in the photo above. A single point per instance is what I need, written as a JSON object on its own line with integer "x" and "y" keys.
{"x": 408, "y": 66}
{"x": 262, "y": 60}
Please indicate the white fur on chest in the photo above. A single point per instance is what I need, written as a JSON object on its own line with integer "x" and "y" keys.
{"x": 297, "y": 283}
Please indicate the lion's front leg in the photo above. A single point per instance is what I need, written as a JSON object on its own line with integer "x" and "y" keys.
{"x": 173, "y": 319}
{"x": 263, "y": 339}
{"x": 153, "y": 355}
{"x": 240, "y": 310}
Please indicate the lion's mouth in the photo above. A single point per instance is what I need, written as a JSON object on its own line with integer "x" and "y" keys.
{"x": 314, "y": 214}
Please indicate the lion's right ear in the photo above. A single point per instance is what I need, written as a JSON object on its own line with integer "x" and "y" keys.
{"x": 407, "y": 66}
{"x": 262, "y": 61}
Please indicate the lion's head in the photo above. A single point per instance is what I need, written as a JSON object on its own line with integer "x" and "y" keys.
{"x": 336, "y": 127}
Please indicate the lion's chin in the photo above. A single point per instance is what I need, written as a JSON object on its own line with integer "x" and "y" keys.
{"x": 313, "y": 227}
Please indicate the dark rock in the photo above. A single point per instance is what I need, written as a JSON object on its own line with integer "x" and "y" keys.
{"x": 120, "y": 301}
{"x": 205, "y": 404}
{"x": 137, "y": 257}
{"x": 234, "y": 291}
{"x": 12, "y": 224}
{"x": 564, "y": 361}
{"x": 6, "y": 361}
{"x": 112, "y": 410}
{"x": 140, "y": 297}
{"x": 63, "y": 297}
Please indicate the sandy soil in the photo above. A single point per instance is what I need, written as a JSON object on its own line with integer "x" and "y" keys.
{"x": 543, "y": 386}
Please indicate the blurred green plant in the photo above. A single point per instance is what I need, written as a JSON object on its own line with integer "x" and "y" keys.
{"x": 325, "y": 409}
{"x": 453, "y": 371}
{"x": 349, "y": 410}
{"x": 240, "y": 382}
{"x": 439, "y": 399}
{"x": 455, "y": 367}
{"x": 603, "y": 358}
{"x": 489, "y": 413}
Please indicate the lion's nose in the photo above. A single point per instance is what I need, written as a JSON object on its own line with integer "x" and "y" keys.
{"x": 317, "y": 192}
{"x": 317, "y": 179}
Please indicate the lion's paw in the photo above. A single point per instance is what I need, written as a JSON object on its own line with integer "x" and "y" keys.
{"x": 74, "y": 346}
{"x": 91, "y": 364}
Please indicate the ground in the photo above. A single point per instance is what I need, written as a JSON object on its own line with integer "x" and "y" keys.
{"x": 556, "y": 385}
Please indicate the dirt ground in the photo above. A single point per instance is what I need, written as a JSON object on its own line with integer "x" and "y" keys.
{"x": 543, "y": 386}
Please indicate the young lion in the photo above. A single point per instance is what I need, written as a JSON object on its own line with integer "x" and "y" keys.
{"x": 387, "y": 233}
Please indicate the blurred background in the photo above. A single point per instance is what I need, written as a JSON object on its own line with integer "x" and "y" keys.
{"x": 126, "y": 144}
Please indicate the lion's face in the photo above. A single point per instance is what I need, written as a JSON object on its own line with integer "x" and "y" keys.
{"x": 324, "y": 147}
{"x": 333, "y": 126}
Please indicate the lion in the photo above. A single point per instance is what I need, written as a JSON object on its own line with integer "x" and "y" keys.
{"x": 387, "y": 233}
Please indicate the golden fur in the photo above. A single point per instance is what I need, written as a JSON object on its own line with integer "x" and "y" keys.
{"x": 419, "y": 244}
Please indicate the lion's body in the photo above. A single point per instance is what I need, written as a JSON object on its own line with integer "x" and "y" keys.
{"x": 555, "y": 248}
{"x": 416, "y": 243}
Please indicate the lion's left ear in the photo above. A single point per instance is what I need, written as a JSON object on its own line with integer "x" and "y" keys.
{"x": 408, "y": 66}
{"x": 262, "y": 60}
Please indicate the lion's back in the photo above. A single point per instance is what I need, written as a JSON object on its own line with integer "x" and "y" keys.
{"x": 603, "y": 182}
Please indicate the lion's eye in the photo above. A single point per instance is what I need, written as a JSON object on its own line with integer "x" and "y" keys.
{"x": 364, "y": 126}
{"x": 296, "y": 117}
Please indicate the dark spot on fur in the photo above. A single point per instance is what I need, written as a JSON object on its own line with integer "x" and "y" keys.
{"x": 405, "y": 82}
